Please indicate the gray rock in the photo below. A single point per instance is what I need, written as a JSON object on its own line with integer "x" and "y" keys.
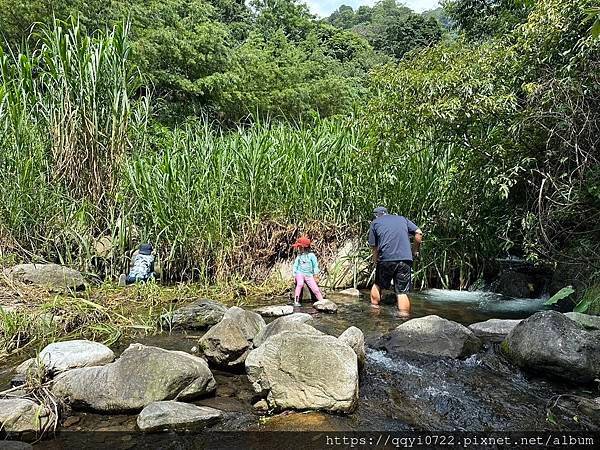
{"x": 494, "y": 330}
{"x": 61, "y": 356}
{"x": 171, "y": 415}
{"x": 249, "y": 322}
{"x": 350, "y": 292}
{"x": 551, "y": 344}
{"x": 587, "y": 321}
{"x": 275, "y": 310}
{"x": 432, "y": 335}
{"x": 50, "y": 276}
{"x": 227, "y": 344}
{"x": 302, "y": 371}
{"x": 325, "y": 305}
{"x": 198, "y": 315}
{"x": 287, "y": 323}
{"x": 355, "y": 339}
{"x": 296, "y": 317}
{"x": 140, "y": 376}
{"x": 18, "y": 415}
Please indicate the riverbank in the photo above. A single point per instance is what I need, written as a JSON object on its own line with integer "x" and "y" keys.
{"x": 398, "y": 392}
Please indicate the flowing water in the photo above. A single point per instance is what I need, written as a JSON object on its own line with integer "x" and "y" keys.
{"x": 483, "y": 392}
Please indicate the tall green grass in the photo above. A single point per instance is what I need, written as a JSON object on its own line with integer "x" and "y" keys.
{"x": 79, "y": 161}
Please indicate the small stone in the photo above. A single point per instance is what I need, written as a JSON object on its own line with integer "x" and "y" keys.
{"x": 325, "y": 305}
{"x": 72, "y": 420}
{"x": 261, "y": 405}
{"x": 275, "y": 310}
{"x": 351, "y": 292}
{"x": 171, "y": 415}
{"x": 194, "y": 349}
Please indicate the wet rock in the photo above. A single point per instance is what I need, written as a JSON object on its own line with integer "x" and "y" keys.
{"x": 355, "y": 339}
{"x": 431, "y": 335}
{"x": 287, "y": 323}
{"x": 494, "y": 330}
{"x": 19, "y": 415}
{"x": 551, "y": 344}
{"x": 227, "y": 344}
{"x": 49, "y": 276}
{"x": 302, "y": 371}
{"x": 201, "y": 314}
{"x": 351, "y": 292}
{"x": 171, "y": 415}
{"x": 261, "y": 405}
{"x": 275, "y": 310}
{"x": 325, "y": 305}
{"x": 61, "y": 356}
{"x": 587, "y": 321}
{"x": 140, "y": 376}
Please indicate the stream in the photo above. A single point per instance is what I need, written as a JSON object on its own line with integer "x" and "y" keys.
{"x": 482, "y": 393}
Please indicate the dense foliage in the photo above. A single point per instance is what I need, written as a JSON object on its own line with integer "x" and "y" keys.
{"x": 487, "y": 135}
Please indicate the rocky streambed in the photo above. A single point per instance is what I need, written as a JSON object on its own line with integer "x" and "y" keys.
{"x": 347, "y": 368}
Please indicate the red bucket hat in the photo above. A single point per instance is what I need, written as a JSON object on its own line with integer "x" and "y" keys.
{"x": 302, "y": 242}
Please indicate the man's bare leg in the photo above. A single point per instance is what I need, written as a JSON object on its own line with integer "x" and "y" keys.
{"x": 375, "y": 296}
{"x": 403, "y": 304}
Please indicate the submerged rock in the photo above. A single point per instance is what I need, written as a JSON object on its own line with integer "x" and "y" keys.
{"x": 275, "y": 310}
{"x": 19, "y": 415}
{"x": 50, "y": 276}
{"x": 61, "y": 356}
{"x": 140, "y": 376}
{"x": 198, "y": 315}
{"x": 355, "y": 339}
{"x": 587, "y": 321}
{"x": 494, "y": 330}
{"x": 172, "y": 415}
{"x": 303, "y": 371}
{"x": 431, "y": 335}
{"x": 227, "y": 344}
{"x": 325, "y": 305}
{"x": 550, "y": 343}
{"x": 287, "y": 323}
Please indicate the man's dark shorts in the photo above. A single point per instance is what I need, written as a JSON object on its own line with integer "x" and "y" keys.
{"x": 399, "y": 271}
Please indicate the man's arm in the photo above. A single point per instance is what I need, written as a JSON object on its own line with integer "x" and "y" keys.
{"x": 375, "y": 254}
{"x": 417, "y": 242}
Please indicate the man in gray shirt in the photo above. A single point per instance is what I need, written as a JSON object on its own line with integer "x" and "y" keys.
{"x": 389, "y": 237}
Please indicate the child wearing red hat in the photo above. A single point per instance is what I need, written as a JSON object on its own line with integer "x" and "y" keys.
{"x": 306, "y": 267}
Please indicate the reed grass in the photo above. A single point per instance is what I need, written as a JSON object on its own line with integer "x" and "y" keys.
{"x": 82, "y": 160}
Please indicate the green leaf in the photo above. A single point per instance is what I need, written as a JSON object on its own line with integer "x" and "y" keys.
{"x": 596, "y": 29}
{"x": 583, "y": 305}
{"x": 563, "y": 293}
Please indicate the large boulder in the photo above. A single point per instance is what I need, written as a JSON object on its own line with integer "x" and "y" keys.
{"x": 304, "y": 371}
{"x": 494, "y": 330}
{"x": 432, "y": 335}
{"x": 275, "y": 310}
{"x": 294, "y": 322}
{"x": 227, "y": 344}
{"x": 552, "y": 344}
{"x": 355, "y": 339}
{"x": 587, "y": 321}
{"x": 171, "y": 415}
{"x": 201, "y": 314}
{"x": 140, "y": 376}
{"x": 62, "y": 356}
{"x": 49, "y": 276}
{"x": 19, "y": 415}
